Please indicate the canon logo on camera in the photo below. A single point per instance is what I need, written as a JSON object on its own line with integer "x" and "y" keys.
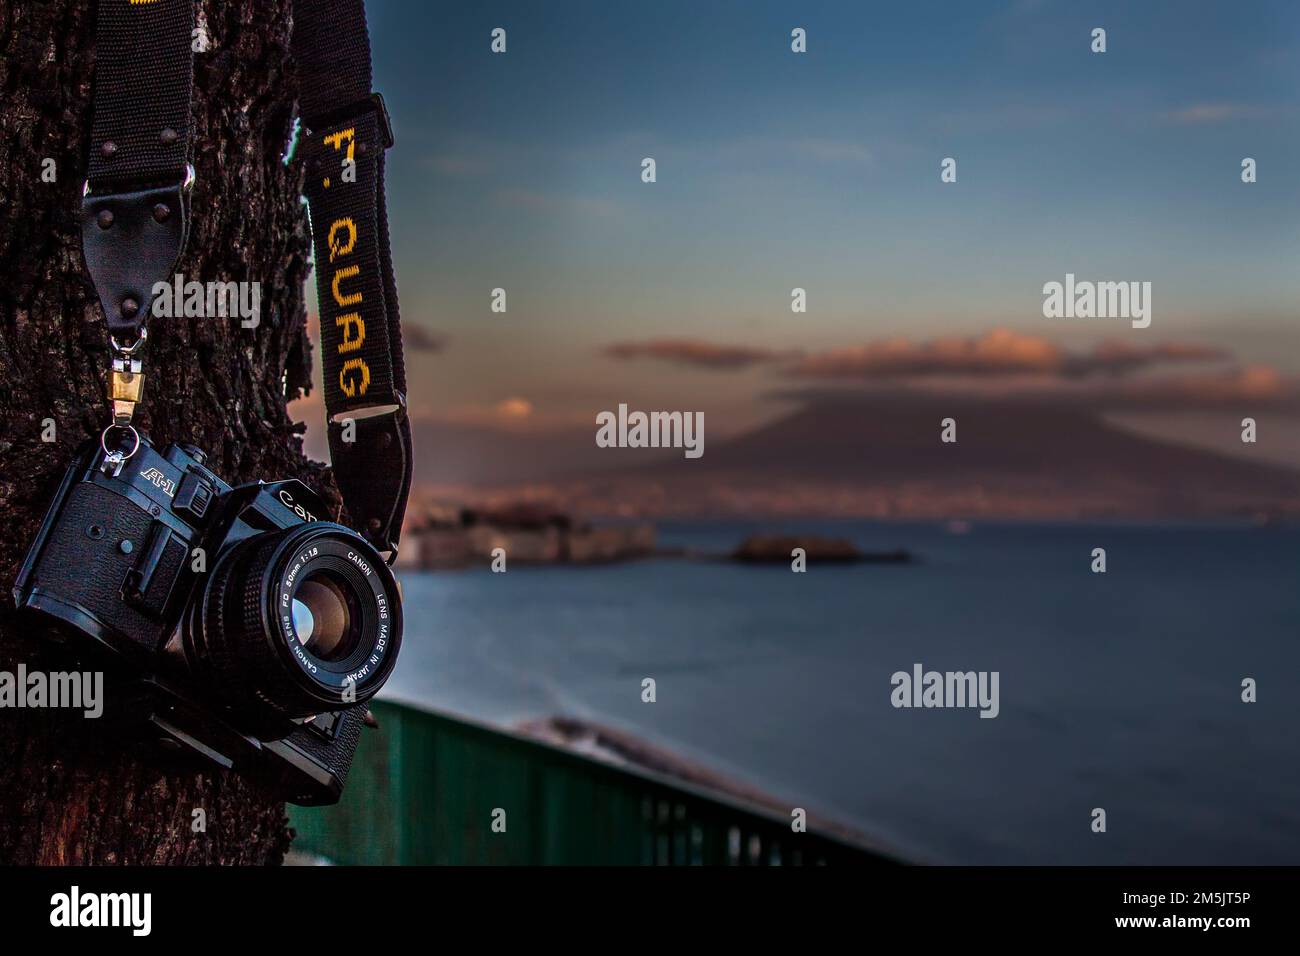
{"x": 286, "y": 499}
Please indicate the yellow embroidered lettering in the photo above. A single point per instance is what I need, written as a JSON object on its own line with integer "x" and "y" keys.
{"x": 345, "y": 273}
{"x": 349, "y": 383}
{"x": 354, "y": 324}
{"x": 337, "y": 248}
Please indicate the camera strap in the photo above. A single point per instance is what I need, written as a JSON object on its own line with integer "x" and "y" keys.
{"x": 346, "y": 135}
{"x": 135, "y": 204}
{"x": 135, "y": 221}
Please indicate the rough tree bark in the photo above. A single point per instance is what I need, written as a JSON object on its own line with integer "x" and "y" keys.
{"x": 70, "y": 793}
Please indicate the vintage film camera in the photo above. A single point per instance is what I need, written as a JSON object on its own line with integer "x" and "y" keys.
{"x": 257, "y": 630}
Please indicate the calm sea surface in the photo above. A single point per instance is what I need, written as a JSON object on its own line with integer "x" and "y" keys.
{"x": 1119, "y": 690}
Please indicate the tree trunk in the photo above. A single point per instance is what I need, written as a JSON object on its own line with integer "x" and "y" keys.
{"x": 69, "y": 791}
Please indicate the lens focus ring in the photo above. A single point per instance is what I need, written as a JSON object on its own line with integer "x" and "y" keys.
{"x": 242, "y": 668}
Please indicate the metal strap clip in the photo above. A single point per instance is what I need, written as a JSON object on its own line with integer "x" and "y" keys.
{"x": 126, "y": 379}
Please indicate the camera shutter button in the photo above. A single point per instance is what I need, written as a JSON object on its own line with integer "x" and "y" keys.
{"x": 195, "y": 452}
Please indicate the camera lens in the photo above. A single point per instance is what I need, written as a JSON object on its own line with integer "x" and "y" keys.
{"x": 326, "y": 617}
{"x": 305, "y": 619}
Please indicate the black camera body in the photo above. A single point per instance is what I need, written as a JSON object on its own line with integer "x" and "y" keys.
{"x": 256, "y": 630}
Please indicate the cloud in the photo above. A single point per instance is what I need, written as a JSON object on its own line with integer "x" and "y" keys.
{"x": 1204, "y": 113}
{"x": 698, "y": 353}
{"x": 417, "y": 338}
{"x": 997, "y": 353}
{"x": 514, "y": 409}
{"x": 1252, "y": 389}
{"x": 1115, "y": 357}
{"x": 513, "y": 413}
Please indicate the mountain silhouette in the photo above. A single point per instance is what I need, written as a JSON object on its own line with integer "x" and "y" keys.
{"x": 882, "y": 456}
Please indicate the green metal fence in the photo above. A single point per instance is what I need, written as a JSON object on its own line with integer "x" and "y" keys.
{"x": 425, "y": 787}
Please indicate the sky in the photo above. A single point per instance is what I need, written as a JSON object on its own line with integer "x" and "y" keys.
{"x": 821, "y": 170}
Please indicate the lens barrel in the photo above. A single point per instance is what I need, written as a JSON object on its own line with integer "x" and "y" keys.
{"x": 303, "y": 619}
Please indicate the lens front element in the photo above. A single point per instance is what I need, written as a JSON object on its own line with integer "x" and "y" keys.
{"x": 326, "y": 617}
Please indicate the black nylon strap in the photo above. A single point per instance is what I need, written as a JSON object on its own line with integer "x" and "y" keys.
{"x": 144, "y": 72}
{"x": 138, "y": 163}
{"x": 139, "y": 155}
{"x": 331, "y": 45}
{"x": 346, "y": 133}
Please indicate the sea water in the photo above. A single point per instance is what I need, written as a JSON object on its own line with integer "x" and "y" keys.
{"x": 1120, "y": 691}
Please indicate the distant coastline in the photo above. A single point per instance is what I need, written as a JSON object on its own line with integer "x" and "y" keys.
{"x": 451, "y": 538}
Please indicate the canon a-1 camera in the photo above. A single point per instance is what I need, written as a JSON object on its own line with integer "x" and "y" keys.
{"x": 257, "y": 630}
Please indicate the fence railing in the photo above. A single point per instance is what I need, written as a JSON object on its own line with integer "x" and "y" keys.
{"x": 428, "y": 788}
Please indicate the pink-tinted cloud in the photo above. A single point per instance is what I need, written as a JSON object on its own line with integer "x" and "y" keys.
{"x": 698, "y": 353}
{"x": 998, "y": 353}
{"x": 1203, "y": 113}
{"x": 1258, "y": 387}
{"x": 1251, "y": 389}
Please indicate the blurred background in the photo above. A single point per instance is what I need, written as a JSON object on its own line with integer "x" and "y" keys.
{"x": 522, "y": 171}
